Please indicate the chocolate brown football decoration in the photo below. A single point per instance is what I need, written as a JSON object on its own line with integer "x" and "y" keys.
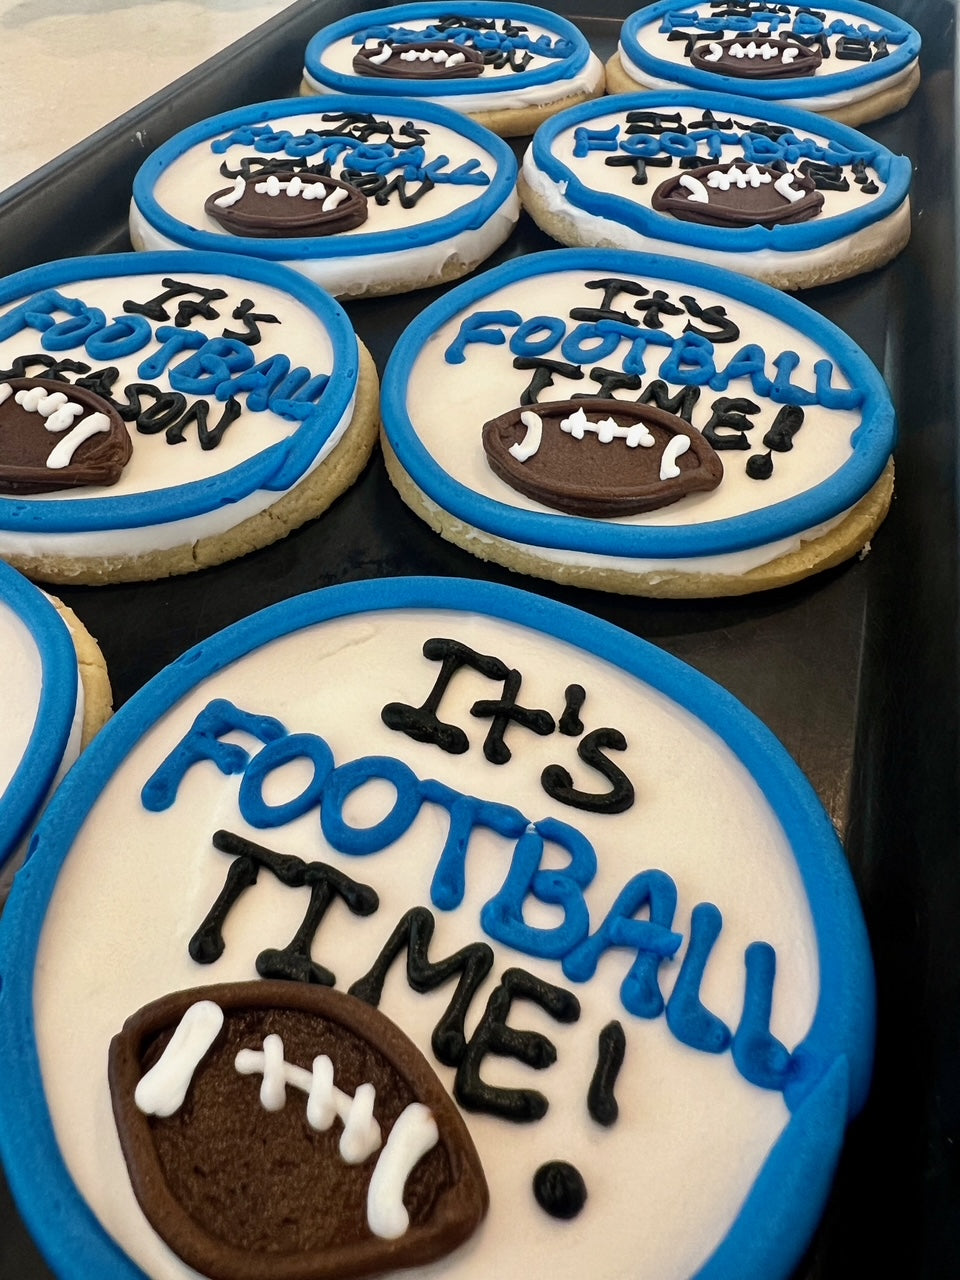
{"x": 287, "y": 204}
{"x": 739, "y": 194}
{"x": 54, "y": 435}
{"x": 241, "y": 1191}
{"x": 427, "y": 60}
{"x": 600, "y": 457}
{"x": 754, "y": 56}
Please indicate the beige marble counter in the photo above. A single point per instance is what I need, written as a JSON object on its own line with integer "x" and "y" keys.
{"x": 72, "y": 66}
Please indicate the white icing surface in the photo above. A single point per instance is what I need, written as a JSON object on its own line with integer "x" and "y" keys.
{"x": 21, "y": 704}
{"x": 338, "y": 57}
{"x": 666, "y": 1180}
{"x": 655, "y": 44}
{"x": 21, "y": 692}
{"x": 156, "y": 465}
{"x": 486, "y": 385}
{"x": 760, "y": 263}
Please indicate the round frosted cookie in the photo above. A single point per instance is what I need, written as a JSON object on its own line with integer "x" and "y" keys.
{"x": 628, "y": 922}
{"x": 638, "y": 424}
{"x": 239, "y": 392}
{"x": 854, "y": 63}
{"x": 365, "y": 196}
{"x": 508, "y": 66}
{"x": 56, "y": 697}
{"x": 784, "y": 196}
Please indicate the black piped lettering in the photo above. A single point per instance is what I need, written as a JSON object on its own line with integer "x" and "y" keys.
{"x": 189, "y": 308}
{"x": 529, "y": 1047}
{"x": 293, "y": 961}
{"x": 611, "y": 1047}
{"x": 422, "y": 723}
{"x": 558, "y": 784}
{"x": 472, "y": 963}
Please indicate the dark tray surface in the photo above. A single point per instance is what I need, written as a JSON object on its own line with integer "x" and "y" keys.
{"x": 855, "y": 670}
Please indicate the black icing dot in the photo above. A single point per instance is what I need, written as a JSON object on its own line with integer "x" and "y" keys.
{"x": 760, "y": 466}
{"x": 560, "y": 1189}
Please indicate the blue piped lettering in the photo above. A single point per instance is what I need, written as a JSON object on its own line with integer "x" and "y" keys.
{"x": 482, "y": 326}
{"x": 749, "y": 362}
{"x": 123, "y": 336}
{"x": 757, "y": 1054}
{"x": 678, "y": 144}
{"x": 687, "y": 1018}
{"x": 525, "y": 342}
{"x": 690, "y": 361}
{"x": 203, "y": 742}
{"x": 588, "y": 343}
{"x": 587, "y": 140}
{"x": 783, "y": 390}
{"x": 260, "y": 382}
{"x": 502, "y": 916}
{"x": 652, "y": 939}
{"x": 67, "y": 334}
{"x": 466, "y": 813}
{"x": 633, "y": 361}
{"x": 174, "y": 341}
{"x": 255, "y": 809}
{"x": 297, "y": 396}
{"x": 344, "y": 780}
{"x": 210, "y": 365}
{"x": 832, "y": 397}
{"x": 37, "y": 312}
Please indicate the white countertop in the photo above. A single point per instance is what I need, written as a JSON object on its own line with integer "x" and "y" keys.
{"x": 72, "y": 66}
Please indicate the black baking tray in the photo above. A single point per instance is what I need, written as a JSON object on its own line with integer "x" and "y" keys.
{"x": 855, "y": 669}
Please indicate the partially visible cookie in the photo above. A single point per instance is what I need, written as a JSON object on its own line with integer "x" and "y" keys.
{"x": 246, "y": 400}
{"x": 508, "y": 66}
{"x": 56, "y": 697}
{"x": 854, "y": 63}
{"x": 94, "y": 678}
{"x": 364, "y": 195}
{"x": 785, "y": 196}
{"x": 638, "y": 424}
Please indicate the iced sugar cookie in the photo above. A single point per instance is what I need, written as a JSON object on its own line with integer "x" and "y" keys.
{"x": 638, "y": 424}
{"x": 362, "y": 196}
{"x": 56, "y": 697}
{"x": 508, "y": 66}
{"x": 854, "y": 63}
{"x": 588, "y": 886}
{"x": 243, "y": 400}
{"x": 784, "y": 196}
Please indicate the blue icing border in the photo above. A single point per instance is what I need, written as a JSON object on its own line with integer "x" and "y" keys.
{"x": 60, "y": 678}
{"x": 559, "y": 69}
{"x": 872, "y": 441}
{"x": 646, "y": 221}
{"x": 358, "y": 245}
{"x": 771, "y": 1229}
{"x": 274, "y": 468}
{"x": 873, "y": 73}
